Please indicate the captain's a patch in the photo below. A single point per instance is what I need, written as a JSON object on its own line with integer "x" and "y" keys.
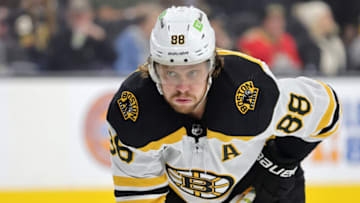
{"x": 128, "y": 105}
{"x": 245, "y": 97}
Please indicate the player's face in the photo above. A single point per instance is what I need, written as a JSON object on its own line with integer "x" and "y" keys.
{"x": 184, "y": 86}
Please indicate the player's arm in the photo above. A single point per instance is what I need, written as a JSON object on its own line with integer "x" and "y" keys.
{"x": 138, "y": 176}
{"x": 307, "y": 112}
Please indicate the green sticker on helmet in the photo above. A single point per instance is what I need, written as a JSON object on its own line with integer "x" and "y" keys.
{"x": 198, "y": 25}
{"x": 162, "y": 14}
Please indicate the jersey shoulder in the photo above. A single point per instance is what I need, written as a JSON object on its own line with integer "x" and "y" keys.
{"x": 243, "y": 97}
{"x": 139, "y": 114}
{"x": 307, "y": 108}
{"x": 239, "y": 63}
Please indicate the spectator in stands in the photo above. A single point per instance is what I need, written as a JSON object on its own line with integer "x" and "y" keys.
{"x": 308, "y": 51}
{"x": 222, "y": 38}
{"x": 317, "y": 17}
{"x": 3, "y": 40}
{"x": 114, "y": 10}
{"x": 114, "y": 15}
{"x": 132, "y": 45}
{"x": 271, "y": 43}
{"x": 354, "y": 50}
{"x": 82, "y": 45}
{"x": 13, "y": 57}
{"x": 32, "y": 25}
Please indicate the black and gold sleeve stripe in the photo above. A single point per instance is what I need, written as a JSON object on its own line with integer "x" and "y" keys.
{"x": 133, "y": 190}
{"x": 330, "y": 120}
{"x": 121, "y": 193}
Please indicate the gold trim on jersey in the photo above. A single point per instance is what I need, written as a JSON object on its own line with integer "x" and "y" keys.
{"x": 226, "y": 138}
{"x": 139, "y": 182}
{"x": 225, "y": 52}
{"x": 170, "y": 139}
{"x": 157, "y": 200}
{"x": 325, "y": 121}
{"x": 270, "y": 138}
{"x": 327, "y": 134}
{"x": 324, "y": 135}
{"x": 175, "y": 189}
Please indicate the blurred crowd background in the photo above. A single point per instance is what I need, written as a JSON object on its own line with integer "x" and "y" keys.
{"x": 111, "y": 37}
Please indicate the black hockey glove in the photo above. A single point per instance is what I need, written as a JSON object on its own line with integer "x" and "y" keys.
{"x": 275, "y": 174}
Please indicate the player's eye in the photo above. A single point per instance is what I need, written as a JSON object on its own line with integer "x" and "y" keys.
{"x": 193, "y": 73}
{"x": 171, "y": 74}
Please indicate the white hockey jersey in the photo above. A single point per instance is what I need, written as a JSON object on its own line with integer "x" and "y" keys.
{"x": 154, "y": 148}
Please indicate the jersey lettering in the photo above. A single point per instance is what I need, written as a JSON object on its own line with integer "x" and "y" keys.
{"x": 198, "y": 184}
{"x": 124, "y": 153}
{"x": 112, "y": 145}
{"x": 229, "y": 152}
{"x": 289, "y": 124}
{"x": 299, "y": 104}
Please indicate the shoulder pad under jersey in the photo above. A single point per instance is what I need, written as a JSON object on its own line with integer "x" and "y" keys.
{"x": 243, "y": 97}
{"x": 139, "y": 114}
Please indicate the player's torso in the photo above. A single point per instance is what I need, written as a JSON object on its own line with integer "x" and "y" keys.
{"x": 203, "y": 159}
{"x": 208, "y": 168}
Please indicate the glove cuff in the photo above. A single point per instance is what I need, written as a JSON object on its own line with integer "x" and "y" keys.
{"x": 271, "y": 160}
{"x": 283, "y": 171}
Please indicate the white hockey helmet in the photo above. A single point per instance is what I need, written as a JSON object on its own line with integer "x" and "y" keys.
{"x": 181, "y": 36}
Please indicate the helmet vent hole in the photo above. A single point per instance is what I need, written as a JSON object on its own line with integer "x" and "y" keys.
{"x": 185, "y": 60}
{"x": 188, "y": 27}
{"x": 162, "y": 23}
{"x": 171, "y": 60}
{"x": 200, "y": 17}
{"x": 203, "y": 35}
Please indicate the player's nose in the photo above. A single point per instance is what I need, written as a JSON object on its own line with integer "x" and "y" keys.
{"x": 182, "y": 87}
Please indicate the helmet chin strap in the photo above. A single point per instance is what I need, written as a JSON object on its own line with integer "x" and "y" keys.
{"x": 158, "y": 86}
{"x": 209, "y": 82}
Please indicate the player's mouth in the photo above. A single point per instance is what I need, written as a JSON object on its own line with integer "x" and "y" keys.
{"x": 183, "y": 100}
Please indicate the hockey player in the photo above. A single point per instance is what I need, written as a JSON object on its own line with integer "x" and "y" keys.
{"x": 200, "y": 124}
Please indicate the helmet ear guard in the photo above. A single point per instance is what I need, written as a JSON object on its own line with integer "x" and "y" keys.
{"x": 152, "y": 72}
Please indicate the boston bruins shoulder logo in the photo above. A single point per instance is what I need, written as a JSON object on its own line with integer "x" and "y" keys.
{"x": 128, "y": 106}
{"x": 245, "y": 97}
{"x": 206, "y": 185}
